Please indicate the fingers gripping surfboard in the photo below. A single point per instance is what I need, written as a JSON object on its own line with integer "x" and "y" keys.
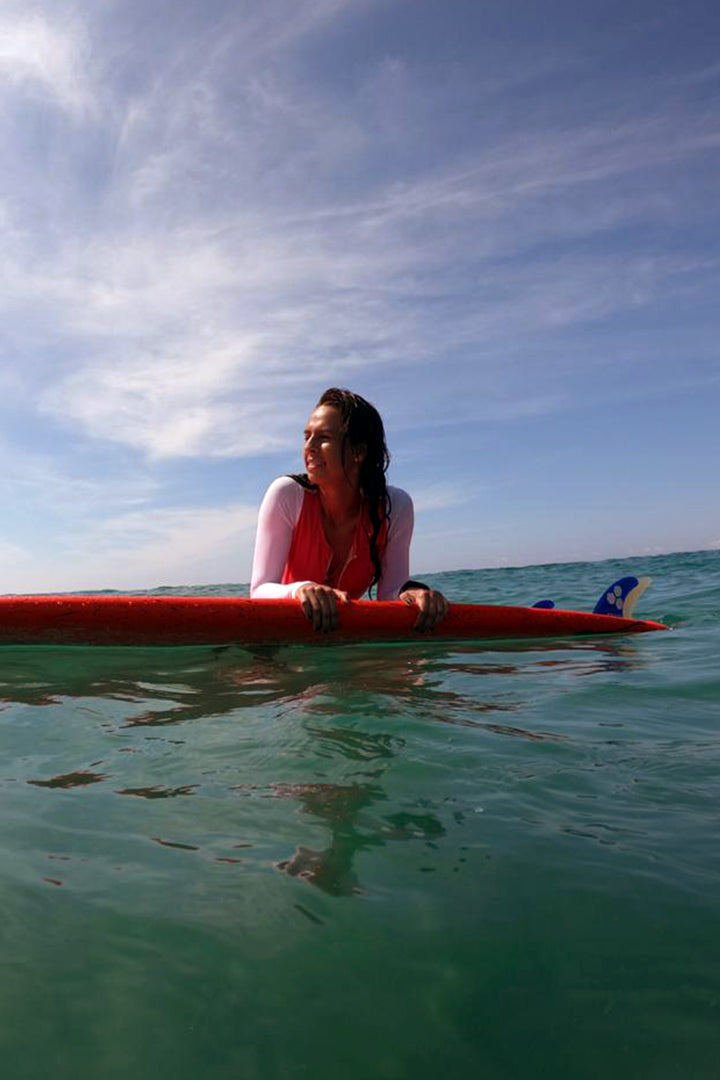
{"x": 182, "y": 620}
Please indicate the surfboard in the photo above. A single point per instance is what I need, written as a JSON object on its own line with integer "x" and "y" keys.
{"x": 193, "y": 620}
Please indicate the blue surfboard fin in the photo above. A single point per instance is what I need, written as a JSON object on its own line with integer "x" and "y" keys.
{"x": 545, "y": 604}
{"x": 621, "y": 597}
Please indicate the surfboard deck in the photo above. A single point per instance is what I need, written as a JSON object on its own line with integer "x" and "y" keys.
{"x": 194, "y": 620}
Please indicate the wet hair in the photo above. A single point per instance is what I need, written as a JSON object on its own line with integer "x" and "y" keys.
{"x": 362, "y": 426}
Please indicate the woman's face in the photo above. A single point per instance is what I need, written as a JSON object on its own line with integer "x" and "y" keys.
{"x": 323, "y": 449}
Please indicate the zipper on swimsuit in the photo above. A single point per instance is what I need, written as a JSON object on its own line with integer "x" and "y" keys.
{"x": 351, "y": 555}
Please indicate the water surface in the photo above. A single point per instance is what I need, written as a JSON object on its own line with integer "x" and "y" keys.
{"x": 370, "y": 861}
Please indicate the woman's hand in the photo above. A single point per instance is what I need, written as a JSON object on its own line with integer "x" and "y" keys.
{"x": 319, "y": 604}
{"x": 432, "y": 607}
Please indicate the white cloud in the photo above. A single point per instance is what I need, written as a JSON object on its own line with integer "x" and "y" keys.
{"x": 66, "y": 531}
{"x": 442, "y": 497}
{"x": 39, "y": 56}
{"x": 188, "y": 329}
{"x": 42, "y": 481}
{"x": 170, "y": 407}
{"x": 137, "y": 550}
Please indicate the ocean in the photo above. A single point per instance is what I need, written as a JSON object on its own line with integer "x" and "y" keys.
{"x": 394, "y": 861}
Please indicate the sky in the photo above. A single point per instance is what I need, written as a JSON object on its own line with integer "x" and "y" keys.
{"x": 498, "y": 220}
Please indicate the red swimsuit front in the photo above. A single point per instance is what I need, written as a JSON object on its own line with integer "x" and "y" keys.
{"x": 310, "y": 554}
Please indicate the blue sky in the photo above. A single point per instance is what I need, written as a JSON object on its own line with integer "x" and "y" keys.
{"x": 499, "y": 221}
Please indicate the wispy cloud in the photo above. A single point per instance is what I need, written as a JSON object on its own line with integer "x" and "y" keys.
{"x": 208, "y": 216}
{"x": 184, "y": 328}
{"x": 40, "y": 56}
{"x": 443, "y": 497}
{"x": 136, "y": 550}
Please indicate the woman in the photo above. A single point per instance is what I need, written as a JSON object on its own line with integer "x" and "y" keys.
{"x": 334, "y": 532}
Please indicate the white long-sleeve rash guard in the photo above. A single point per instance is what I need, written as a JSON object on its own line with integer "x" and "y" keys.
{"x": 279, "y": 513}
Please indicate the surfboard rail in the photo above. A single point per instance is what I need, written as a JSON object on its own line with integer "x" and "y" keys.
{"x": 122, "y": 620}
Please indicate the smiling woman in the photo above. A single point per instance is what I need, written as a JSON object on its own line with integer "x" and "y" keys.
{"x": 337, "y": 530}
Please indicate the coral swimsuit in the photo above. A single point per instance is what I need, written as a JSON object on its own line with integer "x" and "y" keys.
{"x": 310, "y": 554}
{"x": 291, "y": 548}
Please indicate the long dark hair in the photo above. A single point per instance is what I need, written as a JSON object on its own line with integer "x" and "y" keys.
{"x": 362, "y": 426}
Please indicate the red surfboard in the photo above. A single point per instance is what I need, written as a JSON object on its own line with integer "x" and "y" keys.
{"x": 193, "y": 620}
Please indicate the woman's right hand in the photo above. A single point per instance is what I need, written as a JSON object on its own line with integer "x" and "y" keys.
{"x": 319, "y": 604}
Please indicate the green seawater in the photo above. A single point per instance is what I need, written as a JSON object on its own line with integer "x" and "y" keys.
{"x": 421, "y": 861}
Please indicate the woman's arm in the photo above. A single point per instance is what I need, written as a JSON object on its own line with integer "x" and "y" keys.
{"x": 279, "y": 512}
{"x": 393, "y": 585}
{"x": 396, "y": 559}
{"x": 278, "y": 516}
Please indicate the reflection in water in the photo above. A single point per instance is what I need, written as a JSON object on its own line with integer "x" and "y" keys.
{"x": 400, "y": 681}
{"x": 80, "y": 778}
{"x": 176, "y": 688}
{"x": 157, "y": 791}
{"x": 175, "y": 844}
{"x": 312, "y": 710}
{"x": 520, "y": 733}
{"x": 342, "y": 808}
{"x": 353, "y": 744}
{"x": 617, "y": 656}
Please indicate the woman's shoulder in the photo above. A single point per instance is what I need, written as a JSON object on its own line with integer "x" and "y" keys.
{"x": 399, "y": 499}
{"x": 284, "y": 492}
{"x": 291, "y": 484}
{"x": 284, "y": 483}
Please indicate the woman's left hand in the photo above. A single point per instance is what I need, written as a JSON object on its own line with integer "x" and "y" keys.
{"x": 432, "y": 607}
